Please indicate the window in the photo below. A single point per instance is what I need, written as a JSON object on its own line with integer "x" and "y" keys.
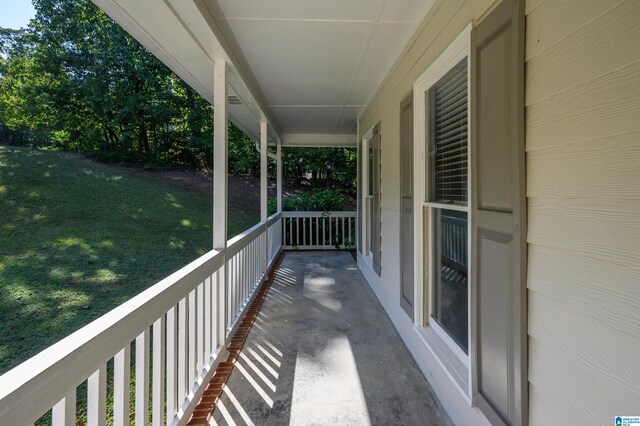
{"x": 447, "y": 144}
{"x": 371, "y": 197}
{"x": 441, "y": 96}
{"x": 368, "y": 202}
{"x": 472, "y": 235}
{"x": 447, "y": 137}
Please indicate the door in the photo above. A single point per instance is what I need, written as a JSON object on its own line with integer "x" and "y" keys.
{"x": 406, "y": 201}
{"x": 498, "y": 237}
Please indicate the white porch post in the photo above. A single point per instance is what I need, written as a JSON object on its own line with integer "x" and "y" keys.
{"x": 279, "y": 174}
{"x": 220, "y": 152}
{"x": 263, "y": 191}
{"x": 263, "y": 170}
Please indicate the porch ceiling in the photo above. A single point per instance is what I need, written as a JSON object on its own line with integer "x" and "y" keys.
{"x": 308, "y": 66}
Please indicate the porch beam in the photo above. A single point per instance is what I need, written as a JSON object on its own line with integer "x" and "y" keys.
{"x": 263, "y": 170}
{"x": 279, "y": 174}
{"x": 310, "y": 140}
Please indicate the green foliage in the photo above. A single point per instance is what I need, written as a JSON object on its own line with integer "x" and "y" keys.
{"x": 77, "y": 75}
{"x": 332, "y": 168}
{"x": 74, "y": 80}
{"x": 324, "y": 200}
{"x": 244, "y": 159}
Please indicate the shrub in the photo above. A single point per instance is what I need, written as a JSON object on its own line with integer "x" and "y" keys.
{"x": 323, "y": 200}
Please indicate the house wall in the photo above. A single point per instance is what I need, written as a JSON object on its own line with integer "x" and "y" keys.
{"x": 583, "y": 193}
{"x": 583, "y": 188}
{"x": 441, "y": 26}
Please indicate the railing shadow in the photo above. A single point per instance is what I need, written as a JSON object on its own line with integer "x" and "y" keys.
{"x": 324, "y": 352}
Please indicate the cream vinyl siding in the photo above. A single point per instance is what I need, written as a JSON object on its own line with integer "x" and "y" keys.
{"x": 583, "y": 188}
{"x": 446, "y": 20}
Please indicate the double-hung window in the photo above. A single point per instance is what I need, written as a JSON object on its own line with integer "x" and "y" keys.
{"x": 442, "y": 97}
{"x": 447, "y": 198}
{"x": 471, "y": 238}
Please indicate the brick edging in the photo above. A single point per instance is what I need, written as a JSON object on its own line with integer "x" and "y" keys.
{"x": 208, "y": 402}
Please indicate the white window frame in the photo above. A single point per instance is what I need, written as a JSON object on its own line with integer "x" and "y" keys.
{"x": 458, "y": 50}
{"x": 367, "y": 253}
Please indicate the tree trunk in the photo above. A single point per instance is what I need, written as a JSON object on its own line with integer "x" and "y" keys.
{"x": 143, "y": 137}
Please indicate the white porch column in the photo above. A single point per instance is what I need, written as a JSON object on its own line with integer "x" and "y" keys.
{"x": 263, "y": 190}
{"x": 220, "y": 151}
{"x": 263, "y": 170}
{"x": 220, "y": 198}
{"x": 279, "y": 174}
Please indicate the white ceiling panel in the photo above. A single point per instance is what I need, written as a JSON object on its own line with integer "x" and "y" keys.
{"x": 302, "y": 63}
{"x": 375, "y": 63}
{"x": 308, "y": 120}
{"x": 323, "y": 57}
{"x": 405, "y": 10}
{"x": 301, "y": 9}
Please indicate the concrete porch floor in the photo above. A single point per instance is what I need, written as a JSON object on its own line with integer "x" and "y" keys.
{"x": 323, "y": 351}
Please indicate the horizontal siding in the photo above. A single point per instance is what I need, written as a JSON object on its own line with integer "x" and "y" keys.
{"x": 589, "y": 294}
{"x": 445, "y": 21}
{"x": 609, "y": 231}
{"x": 595, "y": 349}
{"x": 596, "y": 173}
{"x": 595, "y": 49}
{"x": 583, "y": 188}
{"x": 604, "y": 106}
{"x": 552, "y": 21}
{"x": 585, "y": 405}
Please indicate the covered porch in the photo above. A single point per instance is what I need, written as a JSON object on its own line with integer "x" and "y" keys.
{"x": 288, "y": 75}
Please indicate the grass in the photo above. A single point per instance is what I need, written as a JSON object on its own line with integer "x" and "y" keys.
{"x": 78, "y": 238}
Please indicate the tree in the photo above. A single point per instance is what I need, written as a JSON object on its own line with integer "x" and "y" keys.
{"x": 74, "y": 80}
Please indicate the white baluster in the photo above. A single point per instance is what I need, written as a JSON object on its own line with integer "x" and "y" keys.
{"x": 121, "y": 384}
{"x": 182, "y": 352}
{"x": 191, "y": 355}
{"x": 157, "y": 395}
{"x": 172, "y": 362}
{"x": 97, "y": 398}
{"x": 64, "y": 412}
{"x": 142, "y": 378}
{"x": 207, "y": 320}
{"x": 200, "y": 329}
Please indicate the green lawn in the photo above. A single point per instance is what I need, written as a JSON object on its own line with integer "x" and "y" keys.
{"x": 78, "y": 238}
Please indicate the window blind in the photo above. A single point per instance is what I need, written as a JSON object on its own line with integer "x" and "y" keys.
{"x": 448, "y": 147}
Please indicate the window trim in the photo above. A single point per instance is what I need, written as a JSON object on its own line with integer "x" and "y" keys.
{"x": 367, "y": 252}
{"x": 457, "y": 51}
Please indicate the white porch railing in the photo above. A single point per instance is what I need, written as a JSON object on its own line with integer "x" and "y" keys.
{"x": 178, "y": 329}
{"x": 318, "y": 230}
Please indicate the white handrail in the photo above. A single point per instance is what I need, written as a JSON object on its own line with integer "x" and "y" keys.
{"x": 318, "y": 230}
{"x": 319, "y": 214}
{"x": 197, "y": 310}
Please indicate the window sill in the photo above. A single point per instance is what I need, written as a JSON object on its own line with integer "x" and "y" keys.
{"x": 457, "y": 371}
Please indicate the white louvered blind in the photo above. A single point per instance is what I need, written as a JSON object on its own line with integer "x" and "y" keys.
{"x": 447, "y": 100}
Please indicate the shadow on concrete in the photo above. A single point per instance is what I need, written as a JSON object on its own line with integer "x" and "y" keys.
{"x": 324, "y": 352}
